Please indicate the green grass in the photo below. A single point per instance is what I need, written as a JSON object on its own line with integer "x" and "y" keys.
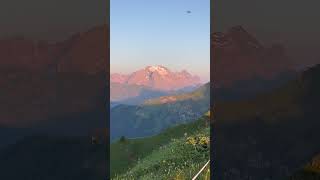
{"x": 175, "y": 160}
{"x": 134, "y": 154}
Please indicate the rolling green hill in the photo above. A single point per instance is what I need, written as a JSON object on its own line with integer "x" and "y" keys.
{"x": 150, "y": 119}
{"x": 199, "y": 94}
{"x": 152, "y": 156}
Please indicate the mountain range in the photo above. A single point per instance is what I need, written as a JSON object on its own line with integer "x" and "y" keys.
{"x": 155, "y": 115}
{"x": 53, "y": 87}
{"x": 41, "y": 80}
{"x": 158, "y": 78}
{"x": 242, "y": 66}
{"x": 149, "y": 82}
{"x": 52, "y": 99}
{"x": 274, "y": 133}
{"x": 69, "y": 55}
{"x": 265, "y": 112}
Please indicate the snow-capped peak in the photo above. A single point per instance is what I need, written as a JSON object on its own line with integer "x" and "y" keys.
{"x": 160, "y": 69}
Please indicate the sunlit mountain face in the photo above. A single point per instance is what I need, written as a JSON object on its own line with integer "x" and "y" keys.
{"x": 157, "y": 78}
{"x": 150, "y": 82}
{"x": 243, "y": 66}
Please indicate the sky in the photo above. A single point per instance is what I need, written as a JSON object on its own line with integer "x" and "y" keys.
{"x": 160, "y": 32}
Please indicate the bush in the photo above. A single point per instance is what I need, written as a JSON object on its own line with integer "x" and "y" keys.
{"x": 123, "y": 139}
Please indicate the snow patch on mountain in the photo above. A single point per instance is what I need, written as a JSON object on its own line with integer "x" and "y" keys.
{"x": 159, "y": 69}
{"x": 158, "y": 77}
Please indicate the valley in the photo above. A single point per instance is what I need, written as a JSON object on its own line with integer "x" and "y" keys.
{"x": 154, "y": 116}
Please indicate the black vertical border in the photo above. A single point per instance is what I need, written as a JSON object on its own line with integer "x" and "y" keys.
{"x": 107, "y": 104}
{"x": 212, "y": 132}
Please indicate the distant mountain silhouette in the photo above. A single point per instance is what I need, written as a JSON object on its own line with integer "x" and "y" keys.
{"x": 132, "y": 93}
{"x": 52, "y": 102}
{"x": 42, "y": 80}
{"x": 239, "y": 58}
{"x": 270, "y": 135}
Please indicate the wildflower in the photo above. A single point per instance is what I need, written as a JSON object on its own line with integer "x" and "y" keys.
{"x": 191, "y": 140}
{"x": 204, "y": 140}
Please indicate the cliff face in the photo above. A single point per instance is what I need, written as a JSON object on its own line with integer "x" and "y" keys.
{"x": 41, "y": 81}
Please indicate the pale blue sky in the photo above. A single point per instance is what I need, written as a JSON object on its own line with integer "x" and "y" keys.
{"x": 152, "y": 32}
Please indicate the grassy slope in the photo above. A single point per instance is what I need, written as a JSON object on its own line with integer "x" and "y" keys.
{"x": 125, "y": 155}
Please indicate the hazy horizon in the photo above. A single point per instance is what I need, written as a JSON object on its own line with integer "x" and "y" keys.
{"x": 163, "y": 33}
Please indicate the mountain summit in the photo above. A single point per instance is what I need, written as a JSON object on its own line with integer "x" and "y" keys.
{"x": 45, "y": 80}
{"x": 239, "y": 56}
{"x": 158, "y": 78}
{"x": 159, "y": 69}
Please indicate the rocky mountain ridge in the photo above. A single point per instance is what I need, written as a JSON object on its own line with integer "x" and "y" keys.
{"x": 158, "y": 78}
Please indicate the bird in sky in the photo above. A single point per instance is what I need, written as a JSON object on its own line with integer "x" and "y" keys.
{"x": 188, "y": 12}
